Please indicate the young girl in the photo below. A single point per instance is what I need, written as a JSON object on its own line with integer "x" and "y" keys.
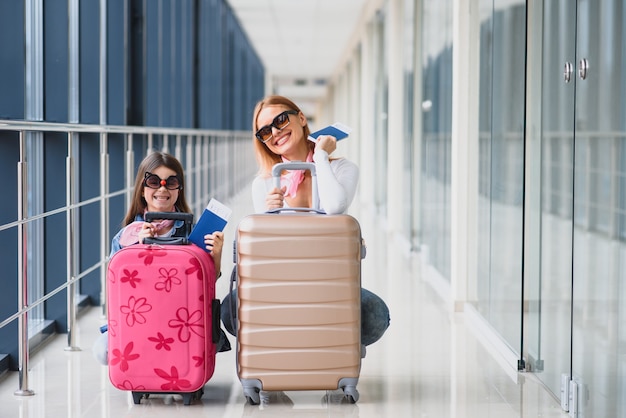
{"x": 281, "y": 132}
{"x": 159, "y": 187}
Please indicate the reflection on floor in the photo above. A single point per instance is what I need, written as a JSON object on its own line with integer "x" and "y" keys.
{"x": 430, "y": 363}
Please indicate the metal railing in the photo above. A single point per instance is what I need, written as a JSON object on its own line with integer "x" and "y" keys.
{"x": 216, "y": 163}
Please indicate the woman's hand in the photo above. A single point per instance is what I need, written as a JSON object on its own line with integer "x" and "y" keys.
{"x": 275, "y": 198}
{"x": 326, "y": 143}
{"x": 214, "y": 243}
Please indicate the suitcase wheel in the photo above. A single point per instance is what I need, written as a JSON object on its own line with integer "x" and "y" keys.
{"x": 252, "y": 395}
{"x": 138, "y": 396}
{"x": 193, "y": 396}
{"x": 187, "y": 397}
{"x": 351, "y": 394}
{"x": 347, "y": 395}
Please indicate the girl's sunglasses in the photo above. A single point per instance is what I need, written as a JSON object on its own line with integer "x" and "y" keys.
{"x": 155, "y": 182}
{"x": 280, "y": 121}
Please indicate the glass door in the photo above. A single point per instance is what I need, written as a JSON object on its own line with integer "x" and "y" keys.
{"x": 575, "y": 280}
{"x": 599, "y": 262}
{"x": 549, "y": 352}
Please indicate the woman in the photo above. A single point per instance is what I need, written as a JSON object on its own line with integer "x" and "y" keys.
{"x": 159, "y": 187}
{"x": 281, "y": 133}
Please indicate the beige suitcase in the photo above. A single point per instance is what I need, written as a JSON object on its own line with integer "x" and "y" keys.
{"x": 298, "y": 304}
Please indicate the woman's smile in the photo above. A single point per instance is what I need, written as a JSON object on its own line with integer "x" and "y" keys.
{"x": 282, "y": 138}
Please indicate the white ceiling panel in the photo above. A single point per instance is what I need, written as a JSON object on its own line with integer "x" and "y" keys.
{"x": 300, "y": 42}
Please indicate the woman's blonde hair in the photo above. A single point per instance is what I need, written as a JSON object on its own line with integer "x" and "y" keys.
{"x": 264, "y": 156}
{"x": 150, "y": 163}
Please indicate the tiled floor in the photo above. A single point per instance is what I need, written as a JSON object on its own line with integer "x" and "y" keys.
{"x": 430, "y": 363}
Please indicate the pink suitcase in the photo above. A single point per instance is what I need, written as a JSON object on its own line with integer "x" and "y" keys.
{"x": 163, "y": 319}
{"x": 298, "y": 300}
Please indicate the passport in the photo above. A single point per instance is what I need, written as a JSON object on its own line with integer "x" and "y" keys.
{"x": 214, "y": 218}
{"x": 338, "y": 130}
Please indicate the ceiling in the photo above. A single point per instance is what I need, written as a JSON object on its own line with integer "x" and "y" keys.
{"x": 300, "y": 42}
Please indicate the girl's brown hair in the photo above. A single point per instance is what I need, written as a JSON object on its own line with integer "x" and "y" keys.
{"x": 266, "y": 158}
{"x": 153, "y": 161}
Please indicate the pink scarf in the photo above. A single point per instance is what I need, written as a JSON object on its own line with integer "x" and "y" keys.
{"x": 293, "y": 178}
{"x": 130, "y": 235}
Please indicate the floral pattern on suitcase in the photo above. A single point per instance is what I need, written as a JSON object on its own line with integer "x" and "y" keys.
{"x": 159, "y": 318}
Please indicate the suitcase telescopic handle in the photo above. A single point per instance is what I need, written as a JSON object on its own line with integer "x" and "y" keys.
{"x": 175, "y": 216}
{"x": 278, "y": 168}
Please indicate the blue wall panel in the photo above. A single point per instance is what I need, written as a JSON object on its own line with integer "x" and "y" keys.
{"x": 116, "y": 66}
{"x": 209, "y": 58}
{"x": 153, "y": 51}
{"x": 166, "y": 64}
{"x": 55, "y": 231}
{"x": 89, "y": 226}
{"x": 89, "y": 40}
{"x": 12, "y": 66}
{"x": 56, "y": 57}
{"x": 9, "y": 143}
{"x": 136, "y": 61}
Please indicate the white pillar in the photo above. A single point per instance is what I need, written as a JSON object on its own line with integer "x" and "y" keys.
{"x": 464, "y": 159}
{"x": 395, "y": 143}
{"x": 366, "y": 128}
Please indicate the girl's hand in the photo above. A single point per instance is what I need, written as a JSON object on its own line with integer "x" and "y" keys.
{"x": 275, "y": 198}
{"x": 326, "y": 143}
{"x": 214, "y": 243}
{"x": 146, "y": 231}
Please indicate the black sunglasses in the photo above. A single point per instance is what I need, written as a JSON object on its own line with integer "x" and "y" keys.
{"x": 280, "y": 121}
{"x": 155, "y": 182}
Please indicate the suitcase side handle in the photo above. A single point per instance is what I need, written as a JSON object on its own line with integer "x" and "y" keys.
{"x": 278, "y": 168}
{"x": 231, "y": 306}
{"x": 215, "y": 323}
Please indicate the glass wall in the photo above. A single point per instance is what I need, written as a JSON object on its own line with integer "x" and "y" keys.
{"x": 551, "y": 221}
{"x": 409, "y": 26}
{"x": 380, "y": 112}
{"x": 436, "y": 62}
{"x": 501, "y": 167}
{"x": 154, "y": 63}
